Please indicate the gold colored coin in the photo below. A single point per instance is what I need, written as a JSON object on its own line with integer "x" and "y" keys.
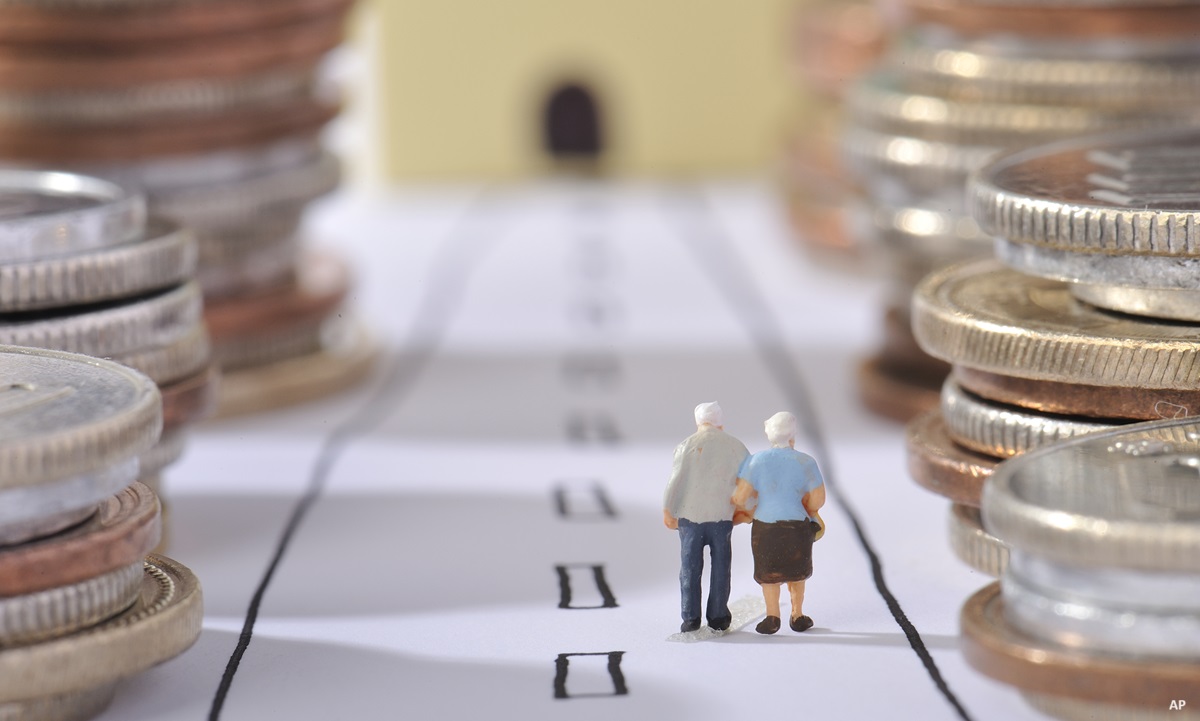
{"x": 162, "y": 624}
{"x": 986, "y": 317}
{"x": 896, "y": 393}
{"x": 974, "y": 546}
{"x": 337, "y": 367}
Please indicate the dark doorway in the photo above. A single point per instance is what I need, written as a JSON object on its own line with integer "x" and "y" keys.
{"x": 572, "y": 129}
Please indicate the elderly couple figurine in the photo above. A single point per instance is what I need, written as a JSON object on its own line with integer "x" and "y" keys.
{"x": 715, "y": 483}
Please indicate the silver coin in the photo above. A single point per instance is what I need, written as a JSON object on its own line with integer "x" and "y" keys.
{"x": 1002, "y": 431}
{"x": 1129, "y": 193}
{"x": 1128, "y": 498}
{"x": 1117, "y": 611}
{"x": 166, "y": 257}
{"x": 232, "y": 245}
{"x": 916, "y": 232}
{"x": 1169, "y": 304}
{"x": 887, "y": 102}
{"x": 137, "y": 102}
{"x": 245, "y": 200}
{"x": 58, "y": 612}
{"x": 186, "y": 356}
{"x": 1145, "y": 272}
{"x": 267, "y": 267}
{"x": 273, "y": 347}
{"x": 1118, "y": 73}
{"x": 13, "y": 533}
{"x": 113, "y": 329}
{"x": 51, "y": 500}
{"x": 166, "y": 452}
{"x": 51, "y": 214}
{"x": 64, "y": 415}
{"x": 899, "y": 166}
{"x": 164, "y": 175}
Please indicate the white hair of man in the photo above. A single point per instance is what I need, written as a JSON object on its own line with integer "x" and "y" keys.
{"x": 709, "y": 413}
{"x": 781, "y": 429}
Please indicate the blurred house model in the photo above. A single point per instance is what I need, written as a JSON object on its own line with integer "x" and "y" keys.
{"x": 505, "y": 89}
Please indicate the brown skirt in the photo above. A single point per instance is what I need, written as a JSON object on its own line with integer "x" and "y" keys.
{"x": 782, "y": 550}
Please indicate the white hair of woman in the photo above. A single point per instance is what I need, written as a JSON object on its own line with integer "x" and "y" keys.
{"x": 709, "y": 413}
{"x": 781, "y": 429}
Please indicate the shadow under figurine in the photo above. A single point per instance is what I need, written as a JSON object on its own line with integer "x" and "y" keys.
{"x": 697, "y": 504}
{"x": 781, "y": 490}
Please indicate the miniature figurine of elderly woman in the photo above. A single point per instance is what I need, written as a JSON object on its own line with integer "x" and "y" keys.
{"x": 697, "y": 503}
{"x": 782, "y": 489}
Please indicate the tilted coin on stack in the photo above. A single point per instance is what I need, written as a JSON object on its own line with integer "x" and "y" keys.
{"x": 214, "y": 110}
{"x": 81, "y": 605}
{"x": 1098, "y": 613}
{"x": 967, "y": 80}
{"x": 82, "y": 270}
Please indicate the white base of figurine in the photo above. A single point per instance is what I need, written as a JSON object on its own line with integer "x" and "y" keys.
{"x": 744, "y": 610}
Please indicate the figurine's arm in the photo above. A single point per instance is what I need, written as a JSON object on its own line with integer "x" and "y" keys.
{"x": 742, "y": 495}
{"x": 670, "y": 499}
{"x": 814, "y": 499}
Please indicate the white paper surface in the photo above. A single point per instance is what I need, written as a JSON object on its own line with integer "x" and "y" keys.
{"x": 422, "y": 583}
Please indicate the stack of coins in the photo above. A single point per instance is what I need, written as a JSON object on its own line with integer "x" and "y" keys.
{"x": 83, "y": 270}
{"x": 81, "y": 606}
{"x": 835, "y": 41}
{"x": 1036, "y": 359}
{"x": 214, "y": 110}
{"x": 1098, "y": 613}
{"x": 965, "y": 81}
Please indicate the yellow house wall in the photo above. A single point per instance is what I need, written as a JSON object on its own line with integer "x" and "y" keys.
{"x": 685, "y": 86}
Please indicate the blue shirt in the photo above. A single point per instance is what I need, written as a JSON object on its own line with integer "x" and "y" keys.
{"x": 782, "y": 477}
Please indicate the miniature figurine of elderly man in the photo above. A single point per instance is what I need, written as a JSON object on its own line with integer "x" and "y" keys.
{"x": 697, "y": 503}
{"x": 789, "y": 490}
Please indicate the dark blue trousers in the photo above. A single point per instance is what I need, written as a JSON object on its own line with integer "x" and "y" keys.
{"x": 693, "y": 537}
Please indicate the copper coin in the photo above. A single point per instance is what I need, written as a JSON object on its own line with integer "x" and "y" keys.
{"x": 837, "y": 42}
{"x": 994, "y": 647}
{"x": 900, "y": 346}
{"x": 940, "y": 465}
{"x": 38, "y": 68}
{"x": 123, "y": 530}
{"x": 1139, "y": 404}
{"x": 815, "y": 189}
{"x": 189, "y": 400}
{"x": 112, "y": 144}
{"x": 150, "y": 22}
{"x": 820, "y": 226}
{"x": 897, "y": 393}
{"x": 1038, "y": 20}
{"x": 322, "y": 283}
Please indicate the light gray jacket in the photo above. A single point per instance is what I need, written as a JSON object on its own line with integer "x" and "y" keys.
{"x": 704, "y": 476}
